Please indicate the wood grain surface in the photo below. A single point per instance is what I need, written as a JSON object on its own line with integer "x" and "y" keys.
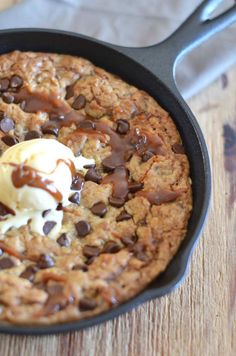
{"x": 199, "y": 318}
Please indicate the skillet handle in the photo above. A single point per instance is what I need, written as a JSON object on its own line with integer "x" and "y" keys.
{"x": 162, "y": 58}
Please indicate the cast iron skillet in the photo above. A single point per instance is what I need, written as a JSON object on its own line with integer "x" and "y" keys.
{"x": 152, "y": 69}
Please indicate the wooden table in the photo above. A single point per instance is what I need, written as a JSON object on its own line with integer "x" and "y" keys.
{"x": 198, "y": 319}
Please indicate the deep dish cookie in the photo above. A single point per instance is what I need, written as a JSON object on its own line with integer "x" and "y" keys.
{"x": 128, "y": 209}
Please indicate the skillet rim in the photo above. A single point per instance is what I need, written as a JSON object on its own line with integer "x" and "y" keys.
{"x": 184, "y": 255}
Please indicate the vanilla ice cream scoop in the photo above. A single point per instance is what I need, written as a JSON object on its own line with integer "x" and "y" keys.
{"x": 35, "y": 176}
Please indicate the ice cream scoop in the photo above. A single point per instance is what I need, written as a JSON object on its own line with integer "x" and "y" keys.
{"x": 35, "y": 176}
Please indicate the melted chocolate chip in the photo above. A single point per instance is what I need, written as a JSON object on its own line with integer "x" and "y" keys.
{"x": 77, "y": 182}
{"x": 7, "y": 124}
{"x": 111, "y": 247}
{"x": 134, "y": 187}
{"x": 8, "y": 98}
{"x": 48, "y": 226}
{"x": 79, "y": 102}
{"x": 75, "y": 198}
{"x": 129, "y": 241}
{"x": 45, "y": 213}
{"x": 45, "y": 261}
{"x": 87, "y": 124}
{"x": 50, "y": 129}
{"x": 31, "y": 135}
{"x": 91, "y": 251}
{"x": 16, "y": 82}
{"x": 147, "y": 155}
{"x": 160, "y": 197}
{"x": 10, "y": 140}
{"x": 87, "y": 304}
{"x": 116, "y": 202}
{"x": 178, "y": 148}
{"x": 99, "y": 209}
{"x": 4, "y": 84}
{"x": 122, "y": 126}
{"x": 4, "y": 210}
{"x": 88, "y": 166}
{"x": 6, "y": 262}
{"x": 63, "y": 240}
{"x": 123, "y": 216}
{"x": 29, "y": 272}
{"x": 93, "y": 175}
{"x": 83, "y": 228}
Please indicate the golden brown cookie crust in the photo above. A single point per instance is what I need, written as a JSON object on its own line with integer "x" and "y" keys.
{"x": 132, "y": 243}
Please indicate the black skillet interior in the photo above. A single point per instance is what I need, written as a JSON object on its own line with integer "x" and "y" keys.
{"x": 151, "y": 69}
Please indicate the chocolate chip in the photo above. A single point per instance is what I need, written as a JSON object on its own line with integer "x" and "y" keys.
{"x": 87, "y": 304}
{"x": 87, "y": 124}
{"x": 8, "y": 98}
{"x": 69, "y": 91}
{"x": 122, "y": 126}
{"x": 123, "y": 216}
{"x": 59, "y": 207}
{"x": 111, "y": 247}
{"x": 129, "y": 241}
{"x": 16, "y": 82}
{"x": 45, "y": 213}
{"x": 147, "y": 155}
{"x": 79, "y": 102}
{"x": 4, "y": 84}
{"x": 31, "y": 135}
{"x": 45, "y": 261}
{"x": 134, "y": 187}
{"x": 91, "y": 251}
{"x": 6, "y": 262}
{"x": 7, "y": 124}
{"x": 63, "y": 240}
{"x": 138, "y": 251}
{"x": 50, "y": 129}
{"x": 90, "y": 260}
{"x": 4, "y": 210}
{"x": 29, "y": 272}
{"x": 75, "y": 198}
{"x": 93, "y": 175}
{"x": 83, "y": 268}
{"x": 116, "y": 202}
{"x": 99, "y": 209}
{"x": 142, "y": 256}
{"x": 178, "y": 148}
{"x": 10, "y": 140}
{"x": 83, "y": 228}
{"x": 48, "y": 226}
{"x": 2, "y": 114}
{"x": 77, "y": 183}
{"x": 88, "y": 166}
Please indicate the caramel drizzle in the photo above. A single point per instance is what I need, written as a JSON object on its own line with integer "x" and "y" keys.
{"x": 137, "y": 140}
{"x": 24, "y": 175}
{"x": 119, "y": 181}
